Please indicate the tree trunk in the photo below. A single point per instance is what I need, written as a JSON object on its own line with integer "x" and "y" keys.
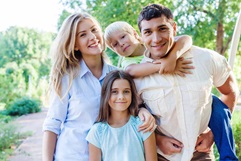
{"x": 219, "y": 38}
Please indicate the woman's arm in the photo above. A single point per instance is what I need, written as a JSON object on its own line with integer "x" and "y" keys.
{"x": 94, "y": 153}
{"x": 150, "y": 148}
{"x": 49, "y": 144}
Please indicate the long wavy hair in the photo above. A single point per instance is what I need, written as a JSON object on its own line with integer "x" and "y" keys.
{"x": 65, "y": 60}
{"x": 104, "y": 112}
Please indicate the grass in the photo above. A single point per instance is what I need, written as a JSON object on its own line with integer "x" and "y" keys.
{"x": 10, "y": 139}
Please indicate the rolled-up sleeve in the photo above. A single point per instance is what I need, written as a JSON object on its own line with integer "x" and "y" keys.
{"x": 57, "y": 111}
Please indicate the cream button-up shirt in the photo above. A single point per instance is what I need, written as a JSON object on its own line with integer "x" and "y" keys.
{"x": 183, "y": 104}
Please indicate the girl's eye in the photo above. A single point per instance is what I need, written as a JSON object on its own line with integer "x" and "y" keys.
{"x": 127, "y": 91}
{"x": 114, "y": 92}
{"x": 123, "y": 36}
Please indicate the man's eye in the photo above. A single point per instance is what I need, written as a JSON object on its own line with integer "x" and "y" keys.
{"x": 147, "y": 32}
{"x": 163, "y": 29}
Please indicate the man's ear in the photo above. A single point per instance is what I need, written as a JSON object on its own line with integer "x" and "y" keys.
{"x": 174, "y": 28}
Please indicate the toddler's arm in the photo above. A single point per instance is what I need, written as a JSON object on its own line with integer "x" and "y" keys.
{"x": 143, "y": 69}
{"x": 182, "y": 44}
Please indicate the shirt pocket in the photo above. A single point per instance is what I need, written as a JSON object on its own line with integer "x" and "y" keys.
{"x": 199, "y": 92}
{"x": 155, "y": 99}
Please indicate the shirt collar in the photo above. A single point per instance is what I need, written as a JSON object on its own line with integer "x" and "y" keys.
{"x": 84, "y": 69}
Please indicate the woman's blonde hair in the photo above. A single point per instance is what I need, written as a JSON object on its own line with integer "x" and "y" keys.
{"x": 65, "y": 60}
{"x": 118, "y": 26}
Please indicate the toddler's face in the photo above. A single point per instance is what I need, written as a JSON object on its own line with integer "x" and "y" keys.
{"x": 124, "y": 43}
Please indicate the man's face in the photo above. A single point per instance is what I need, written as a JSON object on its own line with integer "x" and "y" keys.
{"x": 158, "y": 36}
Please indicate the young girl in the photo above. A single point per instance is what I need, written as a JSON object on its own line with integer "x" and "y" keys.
{"x": 115, "y": 136}
{"x": 78, "y": 70}
{"x": 123, "y": 39}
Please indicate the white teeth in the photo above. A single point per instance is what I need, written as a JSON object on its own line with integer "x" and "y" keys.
{"x": 93, "y": 45}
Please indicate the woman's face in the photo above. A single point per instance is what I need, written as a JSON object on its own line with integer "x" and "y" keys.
{"x": 89, "y": 38}
{"x": 124, "y": 43}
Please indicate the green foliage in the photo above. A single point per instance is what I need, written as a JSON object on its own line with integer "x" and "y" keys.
{"x": 8, "y": 137}
{"x": 108, "y": 11}
{"x": 237, "y": 132}
{"x": 23, "y": 106}
{"x": 201, "y": 18}
{"x": 24, "y": 62}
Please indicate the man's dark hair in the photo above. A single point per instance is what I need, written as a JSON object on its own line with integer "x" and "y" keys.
{"x": 154, "y": 11}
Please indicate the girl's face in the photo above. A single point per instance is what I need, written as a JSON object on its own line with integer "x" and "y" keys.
{"x": 123, "y": 43}
{"x": 89, "y": 38}
{"x": 121, "y": 96}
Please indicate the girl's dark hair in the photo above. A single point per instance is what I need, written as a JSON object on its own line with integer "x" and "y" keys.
{"x": 104, "y": 112}
{"x": 154, "y": 11}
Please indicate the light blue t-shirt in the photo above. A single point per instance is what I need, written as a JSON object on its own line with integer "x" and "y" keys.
{"x": 119, "y": 144}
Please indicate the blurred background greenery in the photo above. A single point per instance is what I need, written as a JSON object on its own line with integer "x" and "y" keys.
{"x": 25, "y": 62}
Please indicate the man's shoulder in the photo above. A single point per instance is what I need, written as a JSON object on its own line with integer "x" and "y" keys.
{"x": 201, "y": 49}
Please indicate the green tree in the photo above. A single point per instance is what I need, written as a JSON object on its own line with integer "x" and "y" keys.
{"x": 211, "y": 23}
{"x": 24, "y": 62}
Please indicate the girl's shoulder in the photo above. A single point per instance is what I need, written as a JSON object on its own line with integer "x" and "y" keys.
{"x": 99, "y": 127}
{"x": 135, "y": 120}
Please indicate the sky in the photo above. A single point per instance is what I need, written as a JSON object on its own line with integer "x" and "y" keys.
{"x": 38, "y": 14}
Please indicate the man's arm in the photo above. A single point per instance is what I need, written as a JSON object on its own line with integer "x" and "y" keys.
{"x": 168, "y": 145}
{"x": 230, "y": 92}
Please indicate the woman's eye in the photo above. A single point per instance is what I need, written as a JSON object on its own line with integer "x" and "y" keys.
{"x": 94, "y": 30}
{"x": 82, "y": 35}
{"x": 123, "y": 36}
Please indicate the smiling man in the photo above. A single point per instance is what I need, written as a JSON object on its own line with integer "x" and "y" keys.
{"x": 183, "y": 104}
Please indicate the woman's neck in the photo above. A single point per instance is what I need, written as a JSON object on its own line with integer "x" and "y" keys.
{"x": 140, "y": 49}
{"x": 118, "y": 119}
{"x": 95, "y": 64}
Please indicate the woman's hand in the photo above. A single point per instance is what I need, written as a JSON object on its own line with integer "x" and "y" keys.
{"x": 149, "y": 123}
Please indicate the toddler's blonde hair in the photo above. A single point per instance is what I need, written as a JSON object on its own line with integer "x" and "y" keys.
{"x": 118, "y": 26}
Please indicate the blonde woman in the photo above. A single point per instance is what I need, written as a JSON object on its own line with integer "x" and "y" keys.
{"x": 77, "y": 74}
